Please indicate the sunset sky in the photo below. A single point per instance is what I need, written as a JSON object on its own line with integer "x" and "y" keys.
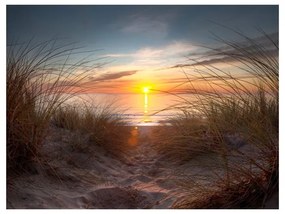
{"x": 140, "y": 44}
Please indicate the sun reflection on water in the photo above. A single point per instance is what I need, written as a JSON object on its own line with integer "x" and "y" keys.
{"x": 146, "y": 117}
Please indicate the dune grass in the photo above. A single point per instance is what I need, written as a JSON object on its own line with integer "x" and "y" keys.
{"x": 101, "y": 123}
{"x": 241, "y": 111}
{"x": 40, "y": 77}
{"x": 184, "y": 139}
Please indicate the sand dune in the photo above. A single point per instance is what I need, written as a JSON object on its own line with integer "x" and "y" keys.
{"x": 73, "y": 179}
{"x": 69, "y": 177}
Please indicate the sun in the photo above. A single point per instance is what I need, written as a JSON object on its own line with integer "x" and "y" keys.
{"x": 146, "y": 90}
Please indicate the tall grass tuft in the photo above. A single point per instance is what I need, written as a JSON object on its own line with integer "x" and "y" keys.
{"x": 40, "y": 76}
{"x": 240, "y": 108}
{"x": 184, "y": 140}
{"x": 103, "y": 125}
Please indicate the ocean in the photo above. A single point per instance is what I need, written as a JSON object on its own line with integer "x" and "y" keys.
{"x": 138, "y": 109}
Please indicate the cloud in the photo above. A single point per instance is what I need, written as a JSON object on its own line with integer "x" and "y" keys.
{"x": 147, "y": 26}
{"x": 147, "y": 56}
{"x": 152, "y": 59}
{"x": 256, "y": 48}
{"x": 232, "y": 58}
{"x": 174, "y": 49}
{"x": 116, "y": 55}
{"x": 148, "y": 53}
{"x": 111, "y": 76}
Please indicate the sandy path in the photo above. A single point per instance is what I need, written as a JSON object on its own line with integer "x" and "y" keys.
{"x": 147, "y": 175}
{"x": 75, "y": 180}
{"x": 151, "y": 176}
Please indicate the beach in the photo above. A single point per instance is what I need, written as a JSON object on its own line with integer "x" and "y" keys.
{"x": 147, "y": 106}
{"x": 67, "y": 178}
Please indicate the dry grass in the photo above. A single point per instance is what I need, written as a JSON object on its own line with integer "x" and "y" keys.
{"x": 101, "y": 123}
{"x": 245, "y": 194}
{"x": 39, "y": 78}
{"x": 186, "y": 138}
{"x": 67, "y": 117}
{"x": 235, "y": 109}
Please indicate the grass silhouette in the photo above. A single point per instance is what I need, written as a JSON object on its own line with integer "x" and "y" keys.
{"x": 238, "y": 121}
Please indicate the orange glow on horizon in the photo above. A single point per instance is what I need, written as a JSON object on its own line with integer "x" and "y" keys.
{"x": 173, "y": 86}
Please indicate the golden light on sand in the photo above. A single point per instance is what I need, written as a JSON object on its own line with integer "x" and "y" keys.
{"x": 133, "y": 139}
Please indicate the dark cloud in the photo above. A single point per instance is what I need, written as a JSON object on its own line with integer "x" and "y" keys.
{"x": 231, "y": 52}
{"x": 111, "y": 76}
{"x": 234, "y": 57}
